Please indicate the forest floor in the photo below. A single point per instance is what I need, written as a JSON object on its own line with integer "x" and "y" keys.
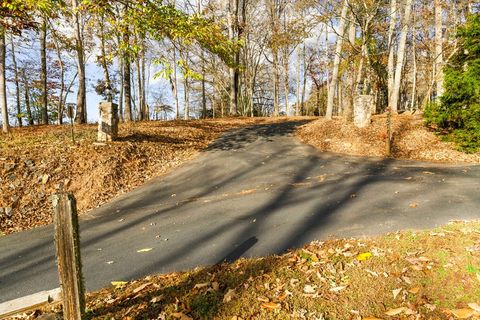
{"x": 429, "y": 274}
{"x": 37, "y": 161}
{"x": 411, "y": 139}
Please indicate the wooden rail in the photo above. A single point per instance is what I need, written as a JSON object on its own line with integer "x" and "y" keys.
{"x": 30, "y": 303}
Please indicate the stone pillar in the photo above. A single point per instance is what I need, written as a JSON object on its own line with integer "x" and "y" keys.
{"x": 363, "y": 107}
{"x": 108, "y": 122}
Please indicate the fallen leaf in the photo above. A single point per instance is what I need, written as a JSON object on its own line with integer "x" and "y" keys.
{"x": 263, "y": 299}
{"x": 364, "y": 256}
{"x": 119, "y": 284}
{"x": 396, "y": 292}
{"x": 430, "y": 307}
{"x": 413, "y": 205}
{"x": 463, "y": 313}
{"x": 414, "y": 290}
{"x": 229, "y": 296}
{"x": 309, "y": 289}
{"x": 474, "y": 306}
{"x": 271, "y": 305}
{"x": 144, "y": 250}
{"x": 394, "y": 312}
{"x": 140, "y": 288}
{"x": 156, "y": 299}
{"x": 371, "y": 318}
{"x": 337, "y": 289}
{"x": 181, "y": 316}
{"x": 215, "y": 286}
{"x": 200, "y": 285}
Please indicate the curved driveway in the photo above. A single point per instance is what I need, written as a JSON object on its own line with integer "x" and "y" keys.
{"x": 255, "y": 191}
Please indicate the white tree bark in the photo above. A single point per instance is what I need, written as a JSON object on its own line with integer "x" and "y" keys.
{"x": 400, "y": 57}
{"x": 391, "y": 55}
{"x": 336, "y": 61}
{"x": 439, "y": 47}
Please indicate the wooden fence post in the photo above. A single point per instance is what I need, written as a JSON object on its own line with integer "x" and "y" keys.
{"x": 67, "y": 244}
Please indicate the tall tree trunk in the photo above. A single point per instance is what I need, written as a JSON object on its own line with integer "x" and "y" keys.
{"x": 43, "y": 74}
{"x": 348, "y": 111}
{"x": 127, "y": 89}
{"x": 391, "y": 54}
{"x": 286, "y": 79}
{"x": 414, "y": 71}
{"x": 299, "y": 73}
{"x": 276, "y": 83}
{"x": 146, "y": 113}
{"x": 26, "y": 89}
{"x": 60, "y": 103}
{"x": 174, "y": 83}
{"x": 120, "y": 98}
{"x": 141, "y": 113}
{"x": 3, "y": 84}
{"x": 103, "y": 59}
{"x": 400, "y": 57}
{"x": 439, "y": 47}
{"x": 186, "y": 96}
{"x": 233, "y": 71}
{"x": 81, "y": 115}
{"x": 17, "y": 85}
{"x": 336, "y": 61}
{"x": 304, "y": 75}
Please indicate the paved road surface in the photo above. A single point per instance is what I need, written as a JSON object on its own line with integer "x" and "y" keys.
{"x": 255, "y": 191}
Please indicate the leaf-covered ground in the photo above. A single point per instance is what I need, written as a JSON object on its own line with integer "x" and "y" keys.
{"x": 411, "y": 139}
{"x": 36, "y": 161}
{"x": 433, "y": 274}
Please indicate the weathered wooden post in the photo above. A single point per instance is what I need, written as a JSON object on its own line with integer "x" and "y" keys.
{"x": 67, "y": 243}
{"x": 108, "y": 122}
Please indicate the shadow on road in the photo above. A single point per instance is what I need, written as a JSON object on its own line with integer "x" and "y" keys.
{"x": 316, "y": 189}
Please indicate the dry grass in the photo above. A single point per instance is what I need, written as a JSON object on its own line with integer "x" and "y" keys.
{"x": 36, "y": 161}
{"x": 411, "y": 139}
{"x": 433, "y": 274}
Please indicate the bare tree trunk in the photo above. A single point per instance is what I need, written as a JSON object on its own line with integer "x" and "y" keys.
{"x": 299, "y": 74}
{"x": 348, "y": 111}
{"x": 336, "y": 61}
{"x": 141, "y": 111}
{"x": 17, "y": 85}
{"x": 234, "y": 73}
{"x": 81, "y": 115}
{"x": 391, "y": 54}
{"x": 186, "y": 96}
{"x": 414, "y": 58}
{"x": 103, "y": 58}
{"x": 27, "y": 98}
{"x": 146, "y": 113}
{"x": 304, "y": 84}
{"x": 174, "y": 83}
{"x": 286, "y": 79}
{"x": 401, "y": 57}
{"x": 120, "y": 98}
{"x": 3, "y": 84}
{"x": 43, "y": 73}
{"x": 127, "y": 89}
{"x": 60, "y": 104}
{"x": 276, "y": 84}
{"x": 439, "y": 47}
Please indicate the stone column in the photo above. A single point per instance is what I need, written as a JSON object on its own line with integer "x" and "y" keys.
{"x": 108, "y": 122}
{"x": 363, "y": 107}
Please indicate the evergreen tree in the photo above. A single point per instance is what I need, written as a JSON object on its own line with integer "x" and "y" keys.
{"x": 459, "y": 109}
